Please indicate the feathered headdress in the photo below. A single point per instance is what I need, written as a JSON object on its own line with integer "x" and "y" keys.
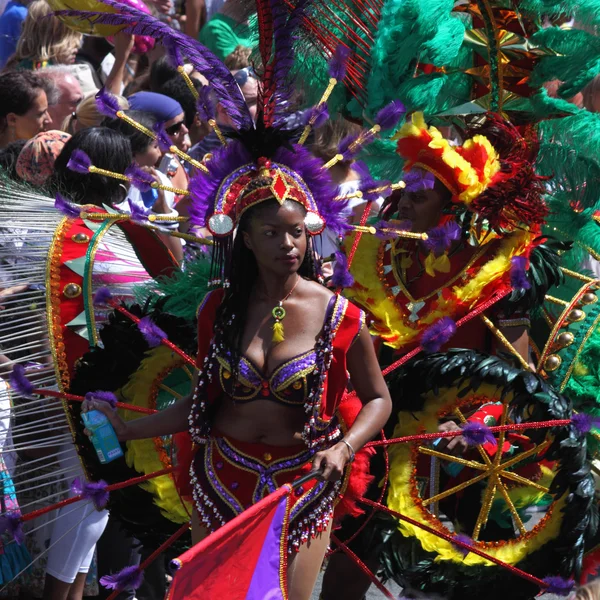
{"x": 499, "y": 185}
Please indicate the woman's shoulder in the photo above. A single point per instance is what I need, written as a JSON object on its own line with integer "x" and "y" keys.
{"x": 342, "y": 308}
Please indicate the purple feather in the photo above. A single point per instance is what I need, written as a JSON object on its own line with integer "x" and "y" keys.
{"x": 138, "y": 213}
{"x": 102, "y": 296}
{"x": 11, "y": 523}
{"x": 206, "y": 104}
{"x": 136, "y": 22}
{"x": 518, "y": 273}
{"x": 584, "y": 422}
{"x": 476, "y": 433}
{"x": 418, "y": 179}
{"x": 317, "y": 114}
{"x": 438, "y": 334}
{"x": 107, "y": 103}
{"x": 389, "y": 116}
{"x": 66, "y": 208}
{"x": 151, "y": 332}
{"x": 162, "y": 137}
{"x": 79, "y": 162}
{"x": 18, "y": 381}
{"x": 91, "y": 490}
{"x": 465, "y": 539}
{"x": 439, "y": 239}
{"x": 558, "y": 585}
{"x": 341, "y": 278}
{"x": 128, "y": 578}
{"x": 102, "y": 396}
{"x": 339, "y": 63}
{"x": 204, "y": 186}
{"x": 139, "y": 178}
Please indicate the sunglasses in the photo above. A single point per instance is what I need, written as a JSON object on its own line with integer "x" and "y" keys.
{"x": 175, "y": 128}
{"x": 243, "y": 75}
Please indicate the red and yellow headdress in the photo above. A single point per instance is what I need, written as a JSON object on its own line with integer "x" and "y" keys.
{"x": 503, "y": 190}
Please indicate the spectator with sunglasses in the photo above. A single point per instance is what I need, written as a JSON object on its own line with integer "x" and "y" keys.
{"x": 170, "y": 113}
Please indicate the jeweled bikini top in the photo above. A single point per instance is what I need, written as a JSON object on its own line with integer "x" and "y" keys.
{"x": 288, "y": 384}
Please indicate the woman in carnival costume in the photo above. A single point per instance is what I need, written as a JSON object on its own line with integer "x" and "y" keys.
{"x": 262, "y": 413}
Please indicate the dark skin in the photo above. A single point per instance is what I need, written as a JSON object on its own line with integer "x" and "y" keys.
{"x": 278, "y": 240}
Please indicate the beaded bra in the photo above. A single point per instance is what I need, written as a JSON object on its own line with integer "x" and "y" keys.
{"x": 288, "y": 384}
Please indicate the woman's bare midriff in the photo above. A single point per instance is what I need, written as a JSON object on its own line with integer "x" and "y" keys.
{"x": 260, "y": 421}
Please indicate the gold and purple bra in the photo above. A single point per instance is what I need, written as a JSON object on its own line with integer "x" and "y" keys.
{"x": 289, "y": 384}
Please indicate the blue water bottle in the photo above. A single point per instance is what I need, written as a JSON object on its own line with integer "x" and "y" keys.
{"x": 103, "y": 436}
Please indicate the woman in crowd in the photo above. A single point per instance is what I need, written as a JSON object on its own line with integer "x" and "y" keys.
{"x": 23, "y": 107}
{"x": 170, "y": 113}
{"x": 44, "y": 41}
{"x": 87, "y": 115}
{"x": 255, "y": 390}
{"x": 35, "y": 164}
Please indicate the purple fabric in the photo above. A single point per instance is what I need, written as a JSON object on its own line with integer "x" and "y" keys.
{"x": 161, "y": 106}
{"x": 289, "y": 368}
{"x": 265, "y": 582}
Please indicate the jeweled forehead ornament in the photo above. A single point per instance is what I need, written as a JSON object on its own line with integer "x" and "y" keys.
{"x": 252, "y": 184}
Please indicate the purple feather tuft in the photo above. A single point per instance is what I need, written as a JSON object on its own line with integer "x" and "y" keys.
{"x": 438, "y": 334}
{"x": 128, "y": 578}
{"x": 418, "y": 179}
{"x": 139, "y": 178}
{"x": 107, "y": 103}
{"x": 476, "y": 433}
{"x": 341, "y": 278}
{"x": 204, "y": 186}
{"x": 151, "y": 332}
{"x": 465, "y": 539}
{"x": 389, "y": 116}
{"x": 11, "y": 523}
{"x": 102, "y": 296}
{"x": 79, "y": 162}
{"x": 584, "y": 422}
{"x": 439, "y": 239}
{"x": 317, "y": 114}
{"x": 339, "y": 63}
{"x": 138, "y": 213}
{"x": 558, "y": 585}
{"x": 66, "y": 208}
{"x": 91, "y": 490}
{"x": 102, "y": 396}
{"x": 162, "y": 137}
{"x": 206, "y": 104}
{"x": 518, "y": 273}
{"x": 19, "y": 382}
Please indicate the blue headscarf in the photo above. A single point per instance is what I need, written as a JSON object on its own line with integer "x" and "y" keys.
{"x": 161, "y": 106}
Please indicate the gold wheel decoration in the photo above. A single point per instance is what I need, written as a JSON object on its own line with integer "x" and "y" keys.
{"x": 503, "y": 488}
{"x": 162, "y": 378}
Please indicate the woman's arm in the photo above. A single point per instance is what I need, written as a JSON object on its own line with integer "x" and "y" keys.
{"x": 171, "y": 420}
{"x": 372, "y": 390}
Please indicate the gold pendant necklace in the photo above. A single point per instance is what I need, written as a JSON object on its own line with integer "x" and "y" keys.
{"x": 279, "y": 313}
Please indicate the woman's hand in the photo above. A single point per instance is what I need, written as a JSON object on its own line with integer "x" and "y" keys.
{"x": 121, "y": 427}
{"x": 332, "y": 462}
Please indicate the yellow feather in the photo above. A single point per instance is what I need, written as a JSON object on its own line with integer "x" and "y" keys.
{"x": 278, "y": 336}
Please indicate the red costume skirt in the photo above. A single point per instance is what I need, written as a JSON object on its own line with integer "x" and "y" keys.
{"x": 228, "y": 476}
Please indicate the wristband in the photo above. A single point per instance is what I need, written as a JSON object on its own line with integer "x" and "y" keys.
{"x": 352, "y": 453}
